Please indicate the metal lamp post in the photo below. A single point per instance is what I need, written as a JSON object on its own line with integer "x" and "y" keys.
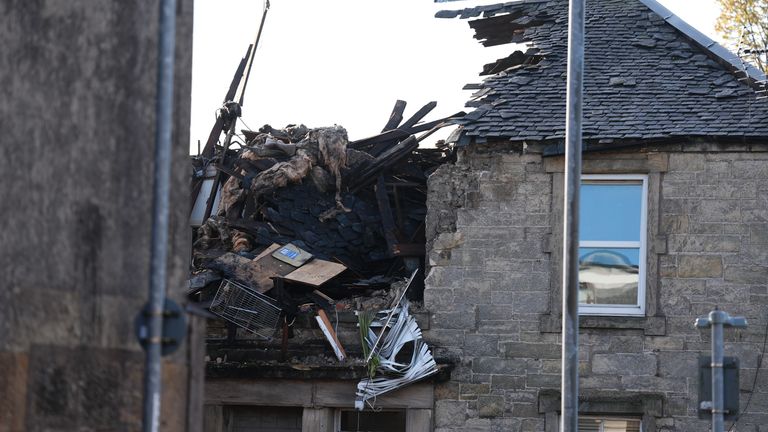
{"x": 717, "y": 320}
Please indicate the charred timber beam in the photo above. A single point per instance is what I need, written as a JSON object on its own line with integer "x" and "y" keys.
{"x": 230, "y": 172}
{"x": 396, "y": 117}
{"x": 213, "y": 138}
{"x": 416, "y": 117}
{"x": 400, "y": 133}
{"x": 368, "y": 173}
{"x": 387, "y": 220}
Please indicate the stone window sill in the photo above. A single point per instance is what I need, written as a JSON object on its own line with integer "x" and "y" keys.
{"x": 651, "y": 326}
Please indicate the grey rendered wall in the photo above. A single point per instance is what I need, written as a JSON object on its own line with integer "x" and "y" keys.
{"x": 77, "y": 133}
{"x": 494, "y": 283}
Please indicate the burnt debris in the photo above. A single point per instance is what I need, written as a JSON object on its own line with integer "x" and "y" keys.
{"x": 353, "y": 211}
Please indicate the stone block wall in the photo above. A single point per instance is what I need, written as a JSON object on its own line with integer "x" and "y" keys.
{"x": 493, "y": 288}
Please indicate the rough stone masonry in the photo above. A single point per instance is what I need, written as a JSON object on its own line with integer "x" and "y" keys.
{"x": 493, "y": 288}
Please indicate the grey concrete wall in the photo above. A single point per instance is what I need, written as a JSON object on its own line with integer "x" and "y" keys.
{"x": 77, "y": 132}
{"x": 494, "y": 286}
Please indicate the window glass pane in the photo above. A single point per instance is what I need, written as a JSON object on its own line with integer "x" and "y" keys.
{"x": 609, "y": 275}
{"x": 610, "y": 211}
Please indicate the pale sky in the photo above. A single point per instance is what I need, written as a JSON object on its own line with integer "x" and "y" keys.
{"x": 346, "y": 61}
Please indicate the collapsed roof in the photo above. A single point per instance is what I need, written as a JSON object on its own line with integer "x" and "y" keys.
{"x": 647, "y": 75}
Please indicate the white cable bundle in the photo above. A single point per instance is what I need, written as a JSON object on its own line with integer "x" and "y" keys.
{"x": 393, "y": 374}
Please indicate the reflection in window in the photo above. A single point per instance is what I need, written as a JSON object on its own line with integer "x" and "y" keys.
{"x": 608, "y": 276}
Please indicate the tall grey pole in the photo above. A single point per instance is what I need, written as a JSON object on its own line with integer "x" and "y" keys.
{"x": 717, "y": 320}
{"x": 570, "y": 350}
{"x": 160, "y": 212}
{"x": 253, "y": 51}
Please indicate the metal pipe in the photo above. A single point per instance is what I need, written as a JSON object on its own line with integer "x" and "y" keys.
{"x": 253, "y": 53}
{"x": 570, "y": 345}
{"x": 717, "y": 318}
{"x": 160, "y": 214}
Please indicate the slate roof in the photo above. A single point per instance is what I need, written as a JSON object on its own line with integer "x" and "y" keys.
{"x": 647, "y": 76}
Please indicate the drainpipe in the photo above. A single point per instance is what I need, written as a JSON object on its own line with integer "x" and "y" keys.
{"x": 570, "y": 331}
{"x": 160, "y": 214}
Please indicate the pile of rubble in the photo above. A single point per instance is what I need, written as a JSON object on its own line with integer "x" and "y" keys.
{"x": 300, "y": 221}
{"x": 359, "y": 205}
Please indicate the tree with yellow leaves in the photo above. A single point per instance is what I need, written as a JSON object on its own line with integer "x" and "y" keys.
{"x": 744, "y": 25}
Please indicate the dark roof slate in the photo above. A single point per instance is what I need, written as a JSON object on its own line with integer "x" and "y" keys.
{"x": 646, "y": 76}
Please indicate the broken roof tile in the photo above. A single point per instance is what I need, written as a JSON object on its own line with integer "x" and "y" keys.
{"x": 683, "y": 80}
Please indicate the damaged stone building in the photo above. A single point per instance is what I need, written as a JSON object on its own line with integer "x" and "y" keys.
{"x": 674, "y": 223}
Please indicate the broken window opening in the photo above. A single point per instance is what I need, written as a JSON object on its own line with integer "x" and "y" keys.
{"x": 370, "y": 421}
{"x": 262, "y": 419}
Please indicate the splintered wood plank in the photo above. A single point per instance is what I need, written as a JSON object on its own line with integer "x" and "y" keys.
{"x": 316, "y": 272}
{"x": 268, "y": 251}
{"x": 327, "y": 328}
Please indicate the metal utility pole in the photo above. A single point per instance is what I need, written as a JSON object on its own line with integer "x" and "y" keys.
{"x": 716, "y": 320}
{"x": 253, "y": 52}
{"x": 160, "y": 212}
{"x": 570, "y": 350}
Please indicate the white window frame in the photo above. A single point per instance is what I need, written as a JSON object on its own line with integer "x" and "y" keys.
{"x": 622, "y": 310}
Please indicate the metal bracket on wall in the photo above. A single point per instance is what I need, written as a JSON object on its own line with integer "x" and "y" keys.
{"x": 174, "y": 327}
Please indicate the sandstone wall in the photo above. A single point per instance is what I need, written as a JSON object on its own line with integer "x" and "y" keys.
{"x": 494, "y": 288}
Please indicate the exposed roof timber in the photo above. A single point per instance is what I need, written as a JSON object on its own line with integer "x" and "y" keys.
{"x": 517, "y": 58}
{"x": 718, "y": 51}
{"x": 485, "y": 10}
{"x": 507, "y": 28}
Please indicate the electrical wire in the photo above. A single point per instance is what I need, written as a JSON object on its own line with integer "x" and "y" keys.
{"x": 245, "y": 124}
{"x": 754, "y": 380}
